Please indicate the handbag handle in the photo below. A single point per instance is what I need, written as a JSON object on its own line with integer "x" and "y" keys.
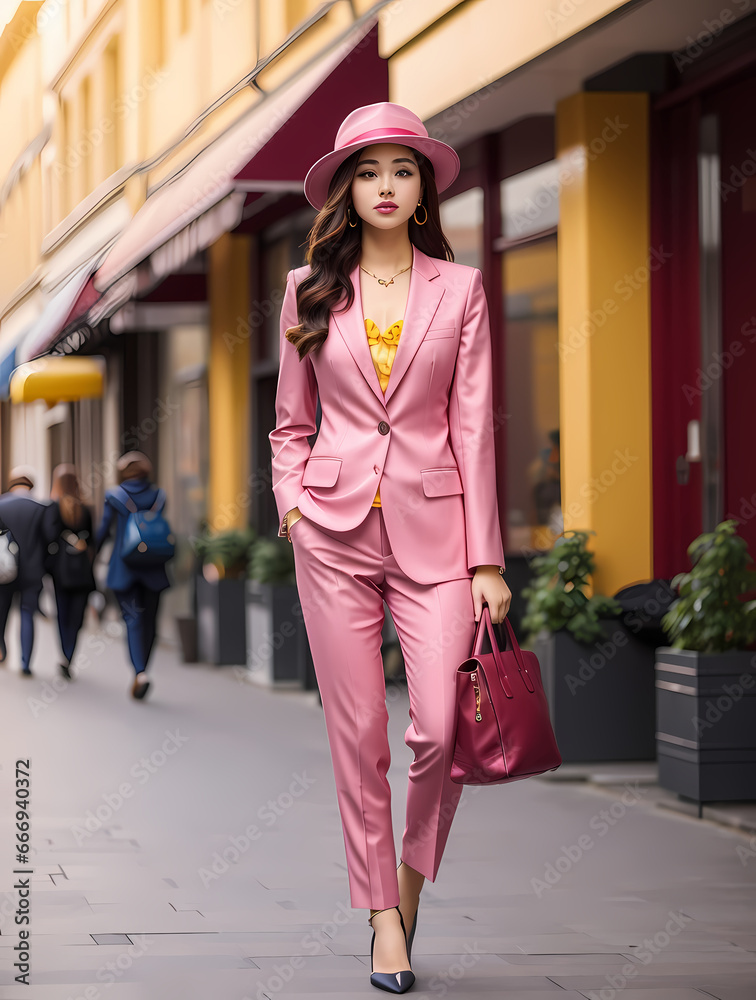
{"x": 478, "y": 643}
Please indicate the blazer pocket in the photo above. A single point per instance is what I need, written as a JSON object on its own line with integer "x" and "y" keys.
{"x": 321, "y": 471}
{"x": 439, "y": 332}
{"x": 441, "y": 482}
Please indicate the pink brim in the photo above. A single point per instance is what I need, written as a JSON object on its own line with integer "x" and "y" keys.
{"x": 444, "y": 159}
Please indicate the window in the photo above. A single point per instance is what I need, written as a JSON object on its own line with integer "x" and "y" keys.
{"x": 159, "y": 28}
{"x": 530, "y": 201}
{"x": 462, "y": 223}
{"x": 85, "y": 139}
{"x": 296, "y": 12}
{"x": 113, "y": 151}
{"x": 62, "y": 168}
{"x": 530, "y": 213}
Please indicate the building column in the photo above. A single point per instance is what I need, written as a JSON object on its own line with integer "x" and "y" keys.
{"x": 228, "y": 382}
{"x": 605, "y": 266}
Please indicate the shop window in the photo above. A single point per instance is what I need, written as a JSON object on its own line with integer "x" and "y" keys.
{"x": 462, "y": 223}
{"x": 533, "y": 501}
{"x": 530, "y": 201}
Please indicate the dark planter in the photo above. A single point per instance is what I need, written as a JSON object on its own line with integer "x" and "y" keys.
{"x": 187, "y": 632}
{"x": 601, "y": 696}
{"x": 277, "y": 647}
{"x": 221, "y": 630}
{"x": 706, "y": 724}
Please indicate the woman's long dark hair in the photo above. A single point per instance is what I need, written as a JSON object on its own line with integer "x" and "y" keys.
{"x": 333, "y": 251}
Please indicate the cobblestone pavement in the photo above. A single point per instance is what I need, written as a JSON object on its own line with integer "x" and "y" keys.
{"x": 189, "y": 846}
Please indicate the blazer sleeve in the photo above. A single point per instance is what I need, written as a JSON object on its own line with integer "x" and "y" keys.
{"x": 296, "y": 412}
{"x": 471, "y": 431}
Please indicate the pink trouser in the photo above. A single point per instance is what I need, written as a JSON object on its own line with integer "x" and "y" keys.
{"x": 343, "y": 578}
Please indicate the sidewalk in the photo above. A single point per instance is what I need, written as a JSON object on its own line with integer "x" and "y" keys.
{"x": 189, "y": 846}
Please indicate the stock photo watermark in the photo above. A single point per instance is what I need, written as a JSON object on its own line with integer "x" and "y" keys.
{"x": 600, "y": 823}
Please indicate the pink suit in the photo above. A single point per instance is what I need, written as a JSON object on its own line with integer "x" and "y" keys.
{"x": 429, "y": 442}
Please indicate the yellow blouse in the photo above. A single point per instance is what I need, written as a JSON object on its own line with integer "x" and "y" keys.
{"x": 383, "y": 348}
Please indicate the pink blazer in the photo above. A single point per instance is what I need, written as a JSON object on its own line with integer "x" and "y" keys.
{"x": 429, "y": 441}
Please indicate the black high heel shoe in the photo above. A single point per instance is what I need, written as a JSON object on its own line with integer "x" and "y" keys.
{"x": 391, "y": 982}
{"x": 414, "y": 925}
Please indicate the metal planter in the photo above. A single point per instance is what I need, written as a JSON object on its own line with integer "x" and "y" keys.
{"x": 278, "y": 652}
{"x": 601, "y": 696}
{"x": 706, "y": 724}
{"x": 221, "y": 630}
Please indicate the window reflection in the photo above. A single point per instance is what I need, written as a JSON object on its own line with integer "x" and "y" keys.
{"x": 532, "y": 391}
{"x": 530, "y": 201}
{"x": 462, "y": 223}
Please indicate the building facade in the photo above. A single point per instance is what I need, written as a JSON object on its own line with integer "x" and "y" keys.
{"x": 151, "y": 204}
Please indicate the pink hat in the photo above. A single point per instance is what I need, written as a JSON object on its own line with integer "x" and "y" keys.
{"x": 382, "y": 122}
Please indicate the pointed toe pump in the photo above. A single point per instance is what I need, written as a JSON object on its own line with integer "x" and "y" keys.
{"x": 391, "y": 982}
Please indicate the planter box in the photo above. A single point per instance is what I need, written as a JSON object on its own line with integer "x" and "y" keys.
{"x": 187, "y": 632}
{"x": 221, "y": 631}
{"x": 601, "y": 696}
{"x": 278, "y": 652}
{"x": 706, "y": 724}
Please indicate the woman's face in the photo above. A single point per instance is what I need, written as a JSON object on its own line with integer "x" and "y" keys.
{"x": 386, "y": 172}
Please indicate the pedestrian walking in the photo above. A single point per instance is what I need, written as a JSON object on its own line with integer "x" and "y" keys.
{"x": 137, "y": 588}
{"x": 71, "y": 555}
{"x": 31, "y": 522}
{"x": 396, "y": 500}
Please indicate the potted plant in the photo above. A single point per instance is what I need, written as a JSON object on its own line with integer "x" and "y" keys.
{"x": 187, "y": 565}
{"x": 597, "y": 675}
{"x": 706, "y": 676}
{"x": 277, "y": 648}
{"x": 221, "y": 628}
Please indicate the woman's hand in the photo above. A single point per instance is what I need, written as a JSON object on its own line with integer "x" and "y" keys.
{"x": 488, "y": 585}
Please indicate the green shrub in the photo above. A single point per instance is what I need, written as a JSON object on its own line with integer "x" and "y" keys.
{"x": 556, "y": 594}
{"x": 709, "y": 616}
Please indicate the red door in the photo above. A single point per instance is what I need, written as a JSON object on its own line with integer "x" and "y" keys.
{"x": 737, "y": 363}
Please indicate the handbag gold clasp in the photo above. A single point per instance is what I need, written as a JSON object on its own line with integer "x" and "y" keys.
{"x": 476, "y": 689}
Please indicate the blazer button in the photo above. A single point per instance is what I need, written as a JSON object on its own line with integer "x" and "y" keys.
{"x": 383, "y": 427}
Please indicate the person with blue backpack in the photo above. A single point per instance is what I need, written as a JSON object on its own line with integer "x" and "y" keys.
{"x": 143, "y": 545}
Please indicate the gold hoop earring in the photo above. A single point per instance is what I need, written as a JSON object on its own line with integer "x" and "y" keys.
{"x": 414, "y": 214}
{"x": 349, "y": 218}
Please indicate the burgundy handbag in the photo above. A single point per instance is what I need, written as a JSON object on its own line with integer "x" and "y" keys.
{"x": 502, "y": 727}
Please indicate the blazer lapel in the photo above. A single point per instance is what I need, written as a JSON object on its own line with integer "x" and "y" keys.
{"x": 423, "y": 300}
{"x": 351, "y": 326}
{"x": 425, "y": 294}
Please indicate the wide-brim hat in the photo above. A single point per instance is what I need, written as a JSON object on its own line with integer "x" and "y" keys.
{"x": 382, "y": 122}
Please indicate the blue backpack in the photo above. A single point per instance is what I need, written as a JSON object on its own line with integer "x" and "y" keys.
{"x": 147, "y": 539}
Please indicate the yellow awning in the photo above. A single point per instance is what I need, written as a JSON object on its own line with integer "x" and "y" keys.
{"x": 58, "y": 380}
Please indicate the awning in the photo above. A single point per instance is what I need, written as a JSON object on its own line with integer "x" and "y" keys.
{"x": 57, "y": 314}
{"x": 58, "y": 380}
{"x": 229, "y": 165}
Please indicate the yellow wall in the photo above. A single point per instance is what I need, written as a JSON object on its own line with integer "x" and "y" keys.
{"x": 604, "y": 330}
{"x": 22, "y": 122}
{"x": 228, "y": 381}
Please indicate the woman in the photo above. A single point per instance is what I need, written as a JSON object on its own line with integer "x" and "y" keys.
{"x": 137, "y": 590}
{"x": 398, "y": 498}
{"x": 70, "y": 559}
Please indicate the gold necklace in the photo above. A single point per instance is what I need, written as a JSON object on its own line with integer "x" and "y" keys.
{"x": 382, "y": 281}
